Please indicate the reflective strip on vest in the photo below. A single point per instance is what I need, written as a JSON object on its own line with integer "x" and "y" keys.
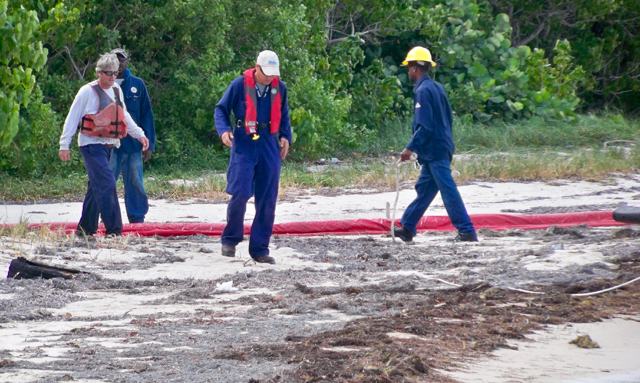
{"x": 251, "y": 103}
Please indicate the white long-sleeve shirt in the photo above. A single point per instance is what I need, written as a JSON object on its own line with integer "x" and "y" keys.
{"x": 87, "y": 102}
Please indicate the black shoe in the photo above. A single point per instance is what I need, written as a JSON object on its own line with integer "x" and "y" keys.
{"x": 228, "y": 251}
{"x": 467, "y": 237}
{"x": 265, "y": 259}
{"x": 403, "y": 234}
{"x": 88, "y": 238}
{"x": 80, "y": 233}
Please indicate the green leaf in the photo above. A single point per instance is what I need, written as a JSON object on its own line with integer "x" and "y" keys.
{"x": 480, "y": 69}
{"x": 494, "y": 41}
{"x": 515, "y": 106}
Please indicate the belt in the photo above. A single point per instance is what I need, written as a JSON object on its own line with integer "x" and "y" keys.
{"x": 259, "y": 125}
{"x": 109, "y": 145}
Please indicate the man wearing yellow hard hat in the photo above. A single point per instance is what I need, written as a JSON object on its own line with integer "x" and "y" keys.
{"x": 432, "y": 141}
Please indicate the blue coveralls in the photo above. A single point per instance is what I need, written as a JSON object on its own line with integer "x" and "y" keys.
{"x": 101, "y": 200}
{"x": 128, "y": 158}
{"x": 432, "y": 141}
{"x": 254, "y": 166}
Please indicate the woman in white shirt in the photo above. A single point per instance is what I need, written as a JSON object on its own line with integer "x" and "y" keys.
{"x": 101, "y": 199}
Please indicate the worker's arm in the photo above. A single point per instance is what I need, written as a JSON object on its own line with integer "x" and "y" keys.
{"x": 284, "y": 133}
{"x": 423, "y": 121}
{"x": 146, "y": 116}
{"x": 285, "y": 122}
{"x": 79, "y": 108}
{"x": 225, "y": 106}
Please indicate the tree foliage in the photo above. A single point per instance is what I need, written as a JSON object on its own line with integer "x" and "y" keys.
{"x": 339, "y": 58}
{"x": 604, "y": 37}
{"x": 20, "y": 57}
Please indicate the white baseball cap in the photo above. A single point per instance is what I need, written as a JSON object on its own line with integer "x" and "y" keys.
{"x": 268, "y": 61}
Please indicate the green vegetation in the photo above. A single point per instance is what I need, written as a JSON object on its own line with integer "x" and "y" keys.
{"x": 500, "y": 61}
{"x": 20, "y": 58}
{"x": 523, "y": 78}
{"x": 590, "y": 148}
{"x": 535, "y": 165}
{"x": 541, "y": 134}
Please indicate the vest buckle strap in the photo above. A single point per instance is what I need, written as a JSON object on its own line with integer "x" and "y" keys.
{"x": 259, "y": 125}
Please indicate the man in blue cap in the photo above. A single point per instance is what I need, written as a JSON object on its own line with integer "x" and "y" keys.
{"x": 432, "y": 141}
{"x": 259, "y": 138}
{"x": 130, "y": 156}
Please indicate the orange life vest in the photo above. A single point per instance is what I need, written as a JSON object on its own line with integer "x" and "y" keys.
{"x": 109, "y": 122}
{"x": 251, "y": 103}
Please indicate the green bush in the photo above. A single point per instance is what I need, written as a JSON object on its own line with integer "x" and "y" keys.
{"x": 20, "y": 57}
{"x": 340, "y": 61}
{"x": 488, "y": 77}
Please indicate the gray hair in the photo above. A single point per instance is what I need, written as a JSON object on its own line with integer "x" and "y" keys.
{"x": 106, "y": 61}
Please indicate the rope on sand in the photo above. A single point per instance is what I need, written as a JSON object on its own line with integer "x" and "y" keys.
{"x": 581, "y": 294}
{"x": 524, "y": 291}
{"x": 443, "y": 281}
{"x": 543, "y": 293}
{"x": 398, "y": 164}
{"x": 395, "y": 203}
{"x": 605, "y": 290}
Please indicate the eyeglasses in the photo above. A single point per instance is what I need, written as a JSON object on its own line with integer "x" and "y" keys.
{"x": 110, "y": 73}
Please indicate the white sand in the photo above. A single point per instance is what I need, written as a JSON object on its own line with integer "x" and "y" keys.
{"x": 551, "y": 359}
{"x": 480, "y": 198}
{"x": 548, "y": 359}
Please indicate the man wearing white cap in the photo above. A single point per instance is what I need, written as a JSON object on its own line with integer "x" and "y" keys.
{"x": 259, "y": 139}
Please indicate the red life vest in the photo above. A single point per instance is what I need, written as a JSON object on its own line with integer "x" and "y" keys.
{"x": 109, "y": 122}
{"x": 251, "y": 102}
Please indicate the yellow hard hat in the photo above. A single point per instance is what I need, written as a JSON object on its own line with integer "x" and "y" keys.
{"x": 419, "y": 54}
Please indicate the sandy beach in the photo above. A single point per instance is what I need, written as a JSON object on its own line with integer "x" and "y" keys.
{"x": 172, "y": 309}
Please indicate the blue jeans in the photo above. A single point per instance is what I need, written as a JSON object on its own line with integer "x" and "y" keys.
{"x": 135, "y": 197}
{"x": 436, "y": 176}
{"x": 254, "y": 169}
{"x": 101, "y": 199}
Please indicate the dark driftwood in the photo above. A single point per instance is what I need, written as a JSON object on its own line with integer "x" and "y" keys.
{"x": 22, "y": 268}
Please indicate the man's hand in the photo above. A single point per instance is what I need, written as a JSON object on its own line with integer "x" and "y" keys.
{"x": 284, "y": 148}
{"x": 146, "y": 154}
{"x": 64, "y": 155}
{"x": 226, "y": 138}
{"x": 405, "y": 155}
{"x": 145, "y": 143}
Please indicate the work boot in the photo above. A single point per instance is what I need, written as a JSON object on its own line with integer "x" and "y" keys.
{"x": 467, "y": 237}
{"x": 403, "y": 234}
{"x": 265, "y": 259}
{"x": 228, "y": 251}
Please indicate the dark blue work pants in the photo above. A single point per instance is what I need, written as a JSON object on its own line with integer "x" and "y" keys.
{"x": 436, "y": 176}
{"x": 101, "y": 199}
{"x": 254, "y": 169}
{"x": 135, "y": 197}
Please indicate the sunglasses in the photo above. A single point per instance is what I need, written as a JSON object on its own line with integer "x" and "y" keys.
{"x": 110, "y": 73}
